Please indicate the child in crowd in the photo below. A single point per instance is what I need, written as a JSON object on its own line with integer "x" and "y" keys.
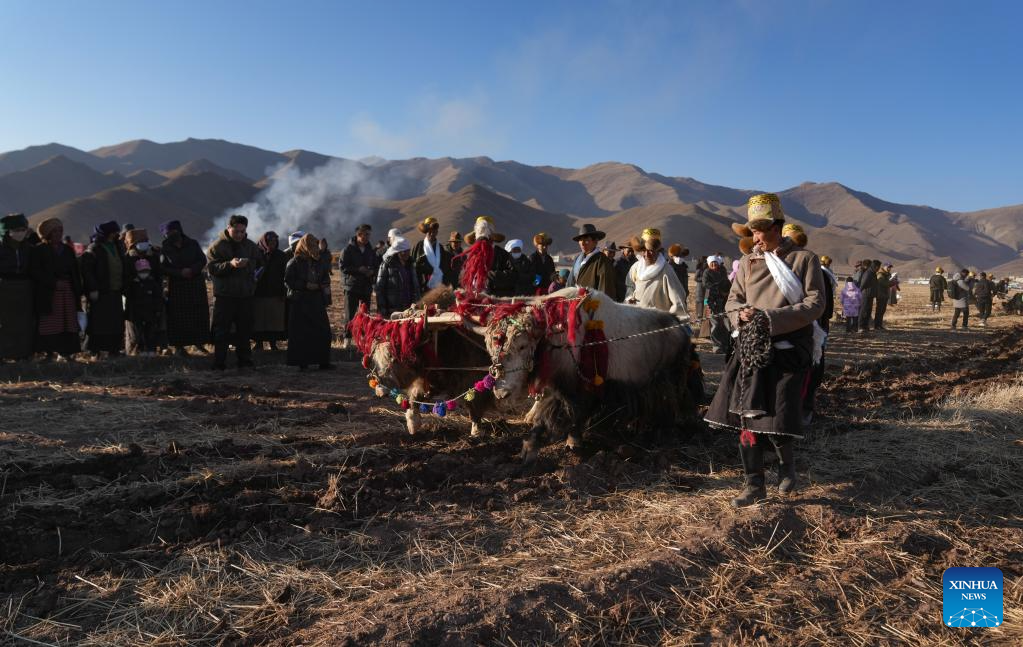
{"x": 560, "y": 280}
{"x": 851, "y": 300}
{"x": 144, "y": 309}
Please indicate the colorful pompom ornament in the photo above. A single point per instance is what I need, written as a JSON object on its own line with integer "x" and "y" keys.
{"x": 469, "y": 396}
{"x": 440, "y": 409}
{"x": 424, "y": 408}
{"x": 489, "y": 382}
{"x": 405, "y": 406}
{"x": 394, "y": 393}
{"x": 380, "y": 391}
{"x": 373, "y": 383}
{"x": 451, "y": 405}
{"x": 597, "y": 380}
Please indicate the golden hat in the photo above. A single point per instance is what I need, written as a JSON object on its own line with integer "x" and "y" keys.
{"x": 763, "y": 209}
{"x": 650, "y": 240}
{"x": 428, "y": 224}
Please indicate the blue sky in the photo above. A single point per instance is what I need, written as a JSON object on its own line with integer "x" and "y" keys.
{"x": 916, "y": 102}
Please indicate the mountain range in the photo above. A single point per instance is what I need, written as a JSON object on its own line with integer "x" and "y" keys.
{"x": 198, "y": 181}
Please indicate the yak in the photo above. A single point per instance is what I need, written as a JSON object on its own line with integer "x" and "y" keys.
{"x": 650, "y": 370}
{"x": 447, "y": 362}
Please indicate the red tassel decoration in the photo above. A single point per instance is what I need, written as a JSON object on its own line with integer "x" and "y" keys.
{"x": 478, "y": 260}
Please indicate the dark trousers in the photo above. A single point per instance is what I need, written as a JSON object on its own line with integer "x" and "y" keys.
{"x": 966, "y": 316}
{"x": 983, "y": 308}
{"x": 720, "y": 335}
{"x": 236, "y": 313}
{"x": 352, "y": 302}
{"x": 852, "y": 324}
{"x": 866, "y": 310}
{"x": 882, "y": 307}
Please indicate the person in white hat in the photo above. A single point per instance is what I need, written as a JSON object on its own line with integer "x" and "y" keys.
{"x": 716, "y": 287}
{"x": 397, "y": 287}
{"x": 525, "y": 273}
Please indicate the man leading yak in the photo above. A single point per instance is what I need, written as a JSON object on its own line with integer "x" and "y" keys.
{"x": 775, "y": 300}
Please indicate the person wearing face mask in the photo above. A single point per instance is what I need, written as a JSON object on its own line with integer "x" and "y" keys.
{"x": 188, "y": 308}
{"x": 17, "y": 320}
{"x": 105, "y": 273}
{"x": 525, "y": 275}
{"x": 58, "y": 292}
{"x": 430, "y": 259}
{"x": 593, "y": 269}
{"x": 397, "y": 286}
{"x": 269, "y": 323}
{"x": 145, "y": 311}
{"x": 140, "y": 248}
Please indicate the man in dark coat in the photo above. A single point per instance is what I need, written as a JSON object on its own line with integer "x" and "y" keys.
{"x": 938, "y": 284}
{"x": 188, "y": 306}
{"x": 622, "y": 267}
{"x": 359, "y": 263}
{"x": 105, "y": 273}
{"x": 884, "y": 284}
{"x": 984, "y": 294}
{"x": 233, "y": 261}
{"x": 269, "y": 308}
{"x": 431, "y": 260}
{"x": 17, "y": 314}
{"x": 868, "y": 288}
{"x": 592, "y": 269}
{"x": 543, "y": 263}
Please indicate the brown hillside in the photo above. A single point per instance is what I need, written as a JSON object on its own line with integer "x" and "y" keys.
{"x": 458, "y": 211}
{"x": 26, "y": 158}
{"x": 147, "y": 178}
{"x": 205, "y": 194}
{"x": 128, "y": 203}
{"x": 250, "y": 161}
{"x": 195, "y": 167}
{"x": 54, "y": 181}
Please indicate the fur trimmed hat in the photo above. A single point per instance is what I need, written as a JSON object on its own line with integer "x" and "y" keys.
{"x": 764, "y": 210}
{"x": 649, "y": 240}
{"x": 795, "y": 233}
{"x": 543, "y": 239}
{"x": 677, "y": 250}
{"x": 430, "y": 224}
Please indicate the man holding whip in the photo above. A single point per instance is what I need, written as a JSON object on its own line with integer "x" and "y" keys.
{"x": 774, "y": 304}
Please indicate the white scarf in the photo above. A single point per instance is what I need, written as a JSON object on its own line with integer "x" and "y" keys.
{"x": 792, "y": 290}
{"x": 644, "y": 272}
{"x": 432, "y": 254}
{"x": 579, "y": 262}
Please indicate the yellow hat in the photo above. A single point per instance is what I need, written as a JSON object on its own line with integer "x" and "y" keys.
{"x": 763, "y": 210}
{"x": 938, "y": 270}
{"x": 428, "y": 224}
{"x": 796, "y": 233}
{"x": 650, "y": 239}
{"x": 825, "y": 260}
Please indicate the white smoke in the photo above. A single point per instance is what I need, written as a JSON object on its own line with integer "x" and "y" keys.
{"x": 328, "y": 201}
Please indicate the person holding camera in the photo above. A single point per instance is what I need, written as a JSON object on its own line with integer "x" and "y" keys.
{"x": 233, "y": 261}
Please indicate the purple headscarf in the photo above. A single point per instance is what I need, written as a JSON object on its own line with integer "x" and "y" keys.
{"x": 171, "y": 225}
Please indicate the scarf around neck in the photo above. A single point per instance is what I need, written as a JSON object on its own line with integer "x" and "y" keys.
{"x": 432, "y": 252}
{"x": 646, "y": 272}
{"x": 789, "y": 285}
{"x": 580, "y": 261}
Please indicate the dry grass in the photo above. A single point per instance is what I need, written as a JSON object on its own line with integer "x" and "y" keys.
{"x": 386, "y": 539}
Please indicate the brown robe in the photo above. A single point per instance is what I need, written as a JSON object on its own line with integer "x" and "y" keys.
{"x": 776, "y": 389}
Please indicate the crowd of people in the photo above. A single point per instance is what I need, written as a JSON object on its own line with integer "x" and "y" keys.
{"x": 123, "y": 293}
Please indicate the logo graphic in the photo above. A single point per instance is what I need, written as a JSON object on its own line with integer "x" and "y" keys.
{"x": 973, "y": 597}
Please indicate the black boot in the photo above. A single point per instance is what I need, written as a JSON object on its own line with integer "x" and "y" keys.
{"x": 753, "y": 469}
{"x": 786, "y": 468}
